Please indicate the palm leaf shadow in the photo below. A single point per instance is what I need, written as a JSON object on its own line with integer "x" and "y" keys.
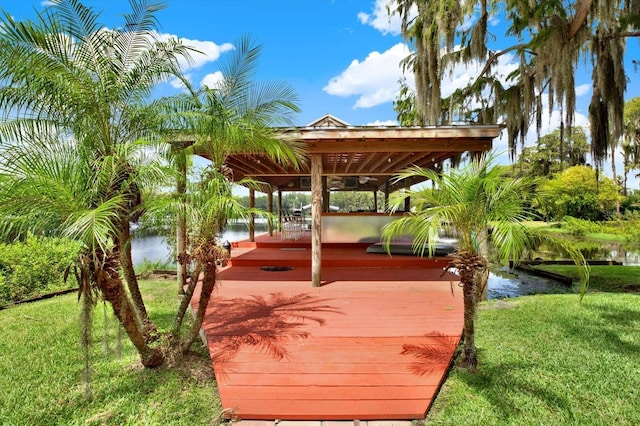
{"x": 430, "y": 357}
{"x": 263, "y": 322}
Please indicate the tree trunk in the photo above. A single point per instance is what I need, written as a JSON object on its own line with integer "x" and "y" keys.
{"x": 470, "y": 351}
{"x": 582, "y": 11}
{"x": 181, "y": 228}
{"x": 149, "y": 328}
{"x": 615, "y": 180}
{"x": 186, "y": 300}
{"x": 208, "y": 284}
{"x": 469, "y": 265}
{"x": 110, "y": 284}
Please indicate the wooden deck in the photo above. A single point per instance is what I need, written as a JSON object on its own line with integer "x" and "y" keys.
{"x": 373, "y": 343}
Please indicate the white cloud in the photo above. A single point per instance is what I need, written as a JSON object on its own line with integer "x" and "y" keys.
{"x": 46, "y": 3}
{"x": 583, "y": 89}
{"x": 208, "y": 51}
{"x": 374, "y": 80}
{"x": 178, "y": 84}
{"x": 379, "y": 123}
{"x": 212, "y": 80}
{"x": 381, "y": 20}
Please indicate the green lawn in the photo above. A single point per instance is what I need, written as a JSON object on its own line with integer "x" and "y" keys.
{"x": 41, "y": 370}
{"x": 544, "y": 360}
{"x": 550, "y": 360}
{"x": 609, "y": 232}
{"x": 603, "y": 277}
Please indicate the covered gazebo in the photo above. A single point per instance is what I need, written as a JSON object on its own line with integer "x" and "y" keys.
{"x": 355, "y": 158}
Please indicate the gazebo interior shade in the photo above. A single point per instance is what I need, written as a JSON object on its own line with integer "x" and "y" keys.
{"x": 362, "y": 158}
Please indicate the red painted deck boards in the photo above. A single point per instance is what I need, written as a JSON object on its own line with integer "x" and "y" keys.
{"x": 373, "y": 343}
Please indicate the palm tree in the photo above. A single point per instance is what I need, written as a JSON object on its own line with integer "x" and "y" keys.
{"x": 472, "y": 200}
{"x": 237, "y": 115}
{"x": 210, "y": 204}
{"x": 56, "y": 187}
{"x": 65, "y": 74}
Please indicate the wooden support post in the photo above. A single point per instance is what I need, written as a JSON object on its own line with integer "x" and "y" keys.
{"x": 387, "y": 190}
{"x": 326, "y": 195}
{"x": 270, "y": 210}
{"x": 252, "y": 217}
{"x": 407, "y": 200}
{"x": 375, "y": 200}
{"x": 280, "y": 210}
{"x": 316, "y": 219}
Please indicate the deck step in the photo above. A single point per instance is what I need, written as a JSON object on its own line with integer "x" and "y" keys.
{"x": 395, "y": 262}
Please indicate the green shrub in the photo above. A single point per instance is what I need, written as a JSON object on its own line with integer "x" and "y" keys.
{"x": 580, "y": 227}
{"x": 146, "y": 268}
{"x": 34, "y": 267}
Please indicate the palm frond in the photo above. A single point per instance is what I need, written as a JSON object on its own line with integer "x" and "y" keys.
{"x": 95, "y": 227}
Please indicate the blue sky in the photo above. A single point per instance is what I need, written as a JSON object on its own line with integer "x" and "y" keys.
{"x": 310, "y": 44}
{"x": 340, "y": 55}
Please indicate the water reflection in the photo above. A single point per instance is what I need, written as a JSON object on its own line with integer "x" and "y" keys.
{"x": 502, "y": 282}
{"x": 505, "y": 283}
{"x": 155, "y": 248}
{"x": 627, "y": 253}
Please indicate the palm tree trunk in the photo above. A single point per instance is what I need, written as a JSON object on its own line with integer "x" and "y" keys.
{"x": 470, "y": 352}
{"x": 208, "y": 284}
{"x": 469, "y": 266}
{"x": 181, "y": 228}
{"x": 186, "y": 299}
{"x": 149, "y": 328}
{"x": 110, "y": 284}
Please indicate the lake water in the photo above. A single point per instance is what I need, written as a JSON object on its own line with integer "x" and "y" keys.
{"x": 155, "y": 249}
{"x": 502, "y": 282}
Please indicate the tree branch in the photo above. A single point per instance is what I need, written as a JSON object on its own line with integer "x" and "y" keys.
{"x": 582, "y": 10}
{"x": 493, "y": 57}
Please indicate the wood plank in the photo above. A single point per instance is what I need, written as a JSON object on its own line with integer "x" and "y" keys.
{"x": 330, "y": 356}
{"x": 327, "y": 410}
{"x": 303, "y": 377}
{"x": 454, "y": 134}
{"x": 355, "y": 348}
{"x": 404, "y": 145}
{"x": 313, "y": 368}
{"x": 327, "y": 392}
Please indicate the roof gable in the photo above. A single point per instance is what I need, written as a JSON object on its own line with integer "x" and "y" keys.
{"x": 328, "y": 120}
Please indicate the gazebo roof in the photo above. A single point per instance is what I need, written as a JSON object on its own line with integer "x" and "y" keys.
{"x": 363, "y": 157}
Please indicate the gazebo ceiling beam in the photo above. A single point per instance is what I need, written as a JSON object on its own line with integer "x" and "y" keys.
{"x": 336, "y": 160}
{"x": 383, "y": 159}
{"x": 240, "y": 166}
{"x": 364, "y": 163}
{"x": 400, "y": 161}
{"x": 352, "y": 156}
{"x": 258, "y": 165}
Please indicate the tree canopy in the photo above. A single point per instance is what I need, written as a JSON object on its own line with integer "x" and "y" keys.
{"x": 553, "y": 153}
{"x": 578, "y": 192}
{"x": 551, "y": 40}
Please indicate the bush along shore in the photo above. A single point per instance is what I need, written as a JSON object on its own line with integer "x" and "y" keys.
{"x": 35, "y": 267}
